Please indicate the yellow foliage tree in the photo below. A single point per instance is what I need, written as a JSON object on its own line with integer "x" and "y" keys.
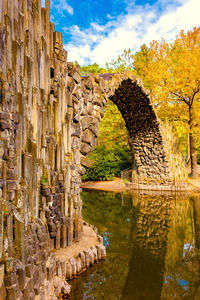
{"x": 173, "y": 76}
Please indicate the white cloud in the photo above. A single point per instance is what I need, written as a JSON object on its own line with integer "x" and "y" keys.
{"x": 62, "y": 6}
{"x": 141, "y": 24}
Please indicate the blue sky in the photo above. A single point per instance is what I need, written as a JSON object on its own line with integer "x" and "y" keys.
{"x": 99, "y": 30}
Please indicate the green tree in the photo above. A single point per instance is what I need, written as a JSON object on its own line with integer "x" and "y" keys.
{"x": 123, "y": 62}
{"x": 94, "y": 69}
{"x": 112, "y": 128}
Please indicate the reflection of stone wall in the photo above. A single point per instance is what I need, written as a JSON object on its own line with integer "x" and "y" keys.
{"x": 153, "y": 220}
{"x": 162, "y": 225}
{"x": 150, "y": 227}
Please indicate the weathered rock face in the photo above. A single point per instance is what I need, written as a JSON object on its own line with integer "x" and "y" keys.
{"x": 49, "y": 120}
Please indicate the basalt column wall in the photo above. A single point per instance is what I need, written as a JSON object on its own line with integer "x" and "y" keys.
{"x": 37, "y": 178}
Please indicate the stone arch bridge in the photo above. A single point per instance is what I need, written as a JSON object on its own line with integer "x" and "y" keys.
{"x": 49, "y": 119}
{"x": 132, "y": 100}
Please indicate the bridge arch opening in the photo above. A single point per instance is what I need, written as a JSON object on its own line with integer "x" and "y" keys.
{"x": 112, "y": 151}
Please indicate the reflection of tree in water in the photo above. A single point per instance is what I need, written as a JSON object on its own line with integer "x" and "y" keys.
{"x": 182, "y": 260}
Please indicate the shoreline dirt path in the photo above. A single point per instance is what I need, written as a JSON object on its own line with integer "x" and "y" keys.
{"x": 115, "y": 185}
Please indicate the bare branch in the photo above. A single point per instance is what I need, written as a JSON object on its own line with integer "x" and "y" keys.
{"x": 182, "y": 98}
{"x": 196, "y": 92}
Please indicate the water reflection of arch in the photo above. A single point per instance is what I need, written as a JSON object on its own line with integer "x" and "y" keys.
{"x": 152, "y": 217}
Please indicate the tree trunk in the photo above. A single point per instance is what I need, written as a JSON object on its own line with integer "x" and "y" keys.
{"x": 193, "y": 153}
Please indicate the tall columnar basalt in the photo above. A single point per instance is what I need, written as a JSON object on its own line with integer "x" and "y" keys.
{"x": 49, "y": 120}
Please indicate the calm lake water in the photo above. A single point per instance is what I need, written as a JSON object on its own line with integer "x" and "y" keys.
{"x": 152, "y": 242}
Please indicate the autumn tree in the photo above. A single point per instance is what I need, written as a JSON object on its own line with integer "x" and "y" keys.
{"x": 173, "y": 72}
{"x": 140, "y": 65}
{"x": 123, "y": 62}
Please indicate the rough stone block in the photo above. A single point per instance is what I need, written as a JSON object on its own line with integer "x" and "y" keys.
{"x": 21, "y": 276}
{"x": 82, "y": 257}
{"x": 86, "y": 122}
{"x": 50, "y": 272}
{"x": 87, "y": 257}
{"x": 73, "y": 265}
{"x": 29, "y": 270}
{"x": 100, "y": 238}
{"x": 10, "y": 279}
{"x": 76, "y": 130}
{"x": 88, "y": 82}
{"x": 68, "y": 271}
{"x": 103, "y": 252}
{"x": 94, "y": 251}
{"x": 63, "y": 236}
{"x": 85, "y": 148}
{"x": 79, "y": 265}
{"x": 91, "y": 254}
{"x": 69, "y": 231}
{"x": 75, "y": 143}
{"x": 66, "y": 288}
{"x": 88, "y": 137}
{"x": 57, "y": 246}
{"x": 58, "y": 268}
{"x": 13, "y": 292}
{"x": 99, "y": 251}
{"x": 64, "y": 268}
{"x": 95, "y": 129}
{"x": 77, "y": 77}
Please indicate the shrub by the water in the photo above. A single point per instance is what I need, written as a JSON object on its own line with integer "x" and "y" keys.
{"x": 108, "y": 163}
